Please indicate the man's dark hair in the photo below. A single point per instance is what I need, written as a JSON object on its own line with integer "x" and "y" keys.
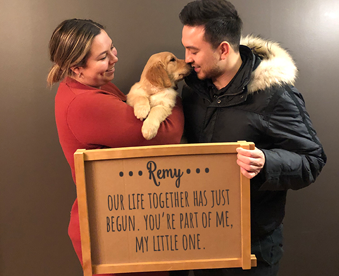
{"x": 219, "y": 18}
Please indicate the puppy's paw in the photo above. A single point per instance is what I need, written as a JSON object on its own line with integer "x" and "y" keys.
{"x": 141, "y": 111}
{"x": 149, "y": 130}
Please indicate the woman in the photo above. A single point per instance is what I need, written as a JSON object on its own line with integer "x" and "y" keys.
{"x": 90, "y": 111}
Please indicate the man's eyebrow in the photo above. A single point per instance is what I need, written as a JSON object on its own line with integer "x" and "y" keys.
{"x": 191, "y": 48}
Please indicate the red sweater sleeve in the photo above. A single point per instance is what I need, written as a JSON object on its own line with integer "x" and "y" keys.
{"x": 101, "y": 119}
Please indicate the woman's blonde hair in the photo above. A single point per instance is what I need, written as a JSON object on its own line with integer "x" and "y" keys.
{"x": 70, "y": 46}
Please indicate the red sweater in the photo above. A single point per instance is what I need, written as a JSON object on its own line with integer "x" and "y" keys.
{"x": 91, "y": 118}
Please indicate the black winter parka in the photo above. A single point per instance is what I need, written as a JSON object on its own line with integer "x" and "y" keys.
{"x": 259, "y": 105}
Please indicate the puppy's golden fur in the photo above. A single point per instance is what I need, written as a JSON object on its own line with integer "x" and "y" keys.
{"x": 153, "y": 97}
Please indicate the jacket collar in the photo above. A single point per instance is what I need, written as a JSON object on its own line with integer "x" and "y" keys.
{"x": 235, "y": 92}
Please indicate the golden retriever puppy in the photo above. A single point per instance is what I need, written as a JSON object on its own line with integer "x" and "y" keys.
{"x": 153, "y": 97}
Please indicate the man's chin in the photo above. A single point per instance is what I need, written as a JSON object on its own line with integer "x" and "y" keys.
{"x": 201, "y": 76}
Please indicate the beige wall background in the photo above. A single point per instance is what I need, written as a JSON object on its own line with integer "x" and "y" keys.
{"x": 36, "y": 189}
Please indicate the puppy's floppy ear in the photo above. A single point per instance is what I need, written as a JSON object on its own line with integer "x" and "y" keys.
{"x": 157, "y": 76}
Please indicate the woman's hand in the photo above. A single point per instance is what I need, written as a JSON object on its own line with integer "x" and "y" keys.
{"x": 251, "y": 162}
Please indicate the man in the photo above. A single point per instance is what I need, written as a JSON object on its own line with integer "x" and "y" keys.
{"x": 239, "y": 92}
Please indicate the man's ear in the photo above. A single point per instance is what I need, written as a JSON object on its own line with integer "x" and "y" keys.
{"x": 157, "y": 76}
{"x": 224, "y": 49}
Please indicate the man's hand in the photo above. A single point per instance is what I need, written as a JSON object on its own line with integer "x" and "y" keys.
{"x": 251, "y": 162}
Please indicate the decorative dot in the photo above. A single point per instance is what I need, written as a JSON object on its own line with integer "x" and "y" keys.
{"x": 198, "y": 170}
{"x": 121, "y": 174}
{"x": 140, "y": 173}
{"x": 130, "y": 173}
{"x": 188, "y": 171}
{"x": 207, "y": 170}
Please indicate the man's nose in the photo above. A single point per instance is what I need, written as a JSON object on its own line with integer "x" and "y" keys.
{"x": 188, "y": 57}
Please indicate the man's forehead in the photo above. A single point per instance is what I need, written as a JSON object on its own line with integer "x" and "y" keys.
{"x": 196, "y": 31}
{"x": 193, "y": 33}
{"x": 193, "y": 37}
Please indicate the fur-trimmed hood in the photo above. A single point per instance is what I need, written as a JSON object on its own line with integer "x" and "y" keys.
{"x": 276, "y": 67}
{"x": 266, "y": 64}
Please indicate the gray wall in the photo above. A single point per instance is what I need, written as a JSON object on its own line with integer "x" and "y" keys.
{"x": 36, "y": 186}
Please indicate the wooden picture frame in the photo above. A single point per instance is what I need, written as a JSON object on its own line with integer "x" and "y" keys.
{"x": 160, "y": 208}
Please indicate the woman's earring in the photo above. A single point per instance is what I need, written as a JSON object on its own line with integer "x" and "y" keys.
{"x": 79, "y": 75}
